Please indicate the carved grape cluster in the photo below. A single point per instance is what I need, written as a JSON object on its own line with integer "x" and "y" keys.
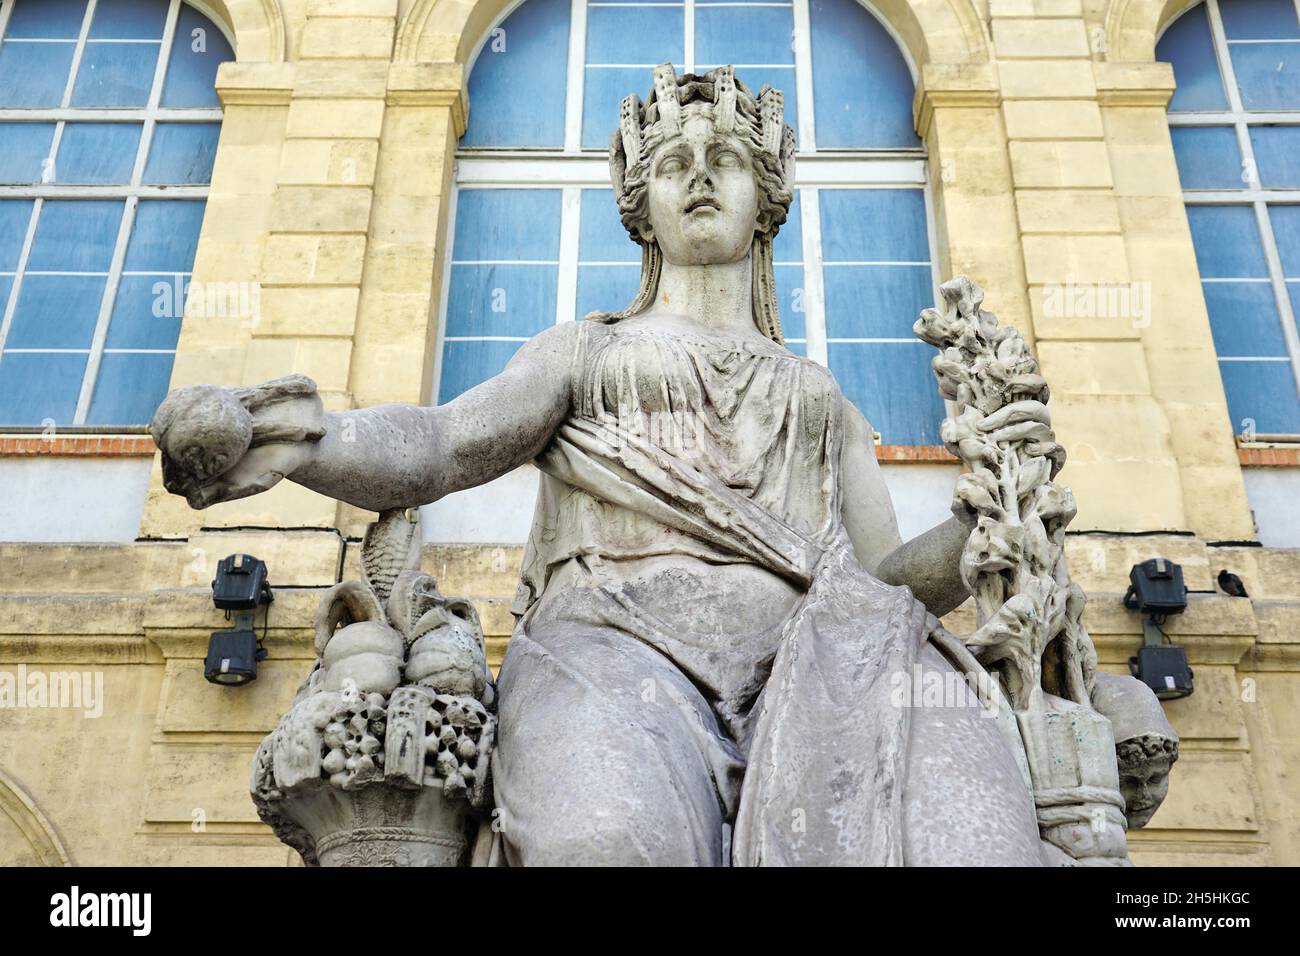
{"x": 353, "y": 738}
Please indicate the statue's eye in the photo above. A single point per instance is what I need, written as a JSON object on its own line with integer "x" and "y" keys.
{"x": 673, "y": 164}
{"x": 726, "y": 158}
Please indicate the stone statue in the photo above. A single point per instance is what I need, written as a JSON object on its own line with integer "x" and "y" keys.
{"x": 716, "y": 613}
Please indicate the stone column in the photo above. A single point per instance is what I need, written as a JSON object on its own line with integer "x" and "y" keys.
{"x": 1180, "y": 358}
{"x": 1087, "y": 327}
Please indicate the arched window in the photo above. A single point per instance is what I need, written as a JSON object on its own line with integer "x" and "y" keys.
{"x": 536, "y": 236}
{"x": 108, "y": 129}
{"x": 1235, "y": 123}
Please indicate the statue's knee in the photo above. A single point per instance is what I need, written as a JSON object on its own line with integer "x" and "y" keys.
{"x": 590, "y": 840}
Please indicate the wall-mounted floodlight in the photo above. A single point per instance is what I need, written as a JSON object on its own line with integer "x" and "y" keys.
{"x": 241, "y": 587}
{"x": 1156, "y": 589}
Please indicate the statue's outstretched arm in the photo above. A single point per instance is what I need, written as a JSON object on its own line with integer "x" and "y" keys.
{"x": 930, "y": 563}
{"x": 388, "y": 456}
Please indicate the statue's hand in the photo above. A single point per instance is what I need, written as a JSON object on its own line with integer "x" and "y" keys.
{"x": 219, "y": 444}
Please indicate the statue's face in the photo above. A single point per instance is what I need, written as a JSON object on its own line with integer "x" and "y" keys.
{"x": 1144, "y": 787}
{"x": 703, "y": 195}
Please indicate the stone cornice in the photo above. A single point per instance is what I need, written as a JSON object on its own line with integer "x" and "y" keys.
{"x": 1134, "y": 84}
{"x": 431, "y": 84}
{"x": 255, "y": 84}
{"x": 966, "y": 86}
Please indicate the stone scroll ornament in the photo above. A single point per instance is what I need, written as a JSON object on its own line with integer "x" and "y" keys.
{"x": 1030, "y": 634}
{"x": 383, "y": 758}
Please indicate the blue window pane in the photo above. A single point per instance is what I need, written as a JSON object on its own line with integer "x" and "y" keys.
{"x": 606, "y": 288}
{"x": 602, "y": 92}
{"x": 875, "y": 301}
{"x": 76, "y": 235}
{"x": 56, "y": 312}
{"x": 46, "y": 19}
{"x": 25, "y": 148}
{"x": 874, "y": 225}
{"x": 129, "y": 388}
{"x": 645, "y": 35}
{"x": 1187, "y": 45}
{"x": 788, "y": 244}
{"x": 798, "y": 348}
{"x": 523, "y": 53}
{"x": 1263, "y": 392}
{"x": 36, "y": 386}
{"x": 129, "y": 20}
{"x": 182, "y": 153}
{"x": 1244, "y": 319}
{"x": 6, "y": 283}
{"x": 197, "y": 51}
{"x": 1268, "y": 75}
{"x": 1227, "y": 242}
{"x": 97, "y": 153}
{"x": 790, "y": 300}
{"x": 147, "y": 312}
{"x": 601, "y": 236}
{"x": 33, "y": 75}
{"x": 1277, "y": 155}
{"x": 1286, "y": 233}
{"x": 496, "y": 224}
{"x": 744, "y": 35}
{"x": 466, "y": 364}
{"x": 165, "y": 236}
{"x": 893, "y": 386}
{"x": 1259, "y": 19}
{"x": 852, "y": 53}
{"x": 1207, "y": 157}
{"x": 15, "y": 216}
{"x": 115, "y": 75}
{"x": 501, "y": 299}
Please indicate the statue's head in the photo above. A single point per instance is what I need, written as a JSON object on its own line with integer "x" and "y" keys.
{"x": 703, "y": 173}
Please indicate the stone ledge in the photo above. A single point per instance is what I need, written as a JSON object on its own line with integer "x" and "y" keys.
{"x": 255, "y": 84}
{"x": 431, "y": 84}
{"x": 1134, "y": 84}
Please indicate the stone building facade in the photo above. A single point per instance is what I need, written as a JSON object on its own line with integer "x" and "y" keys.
{"x": 1051, "y": 178}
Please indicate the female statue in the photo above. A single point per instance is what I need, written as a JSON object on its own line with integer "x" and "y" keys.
{"x": 715, "y": 604}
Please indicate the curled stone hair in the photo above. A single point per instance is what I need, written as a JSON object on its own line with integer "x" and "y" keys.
{"x": 757, "y": 121}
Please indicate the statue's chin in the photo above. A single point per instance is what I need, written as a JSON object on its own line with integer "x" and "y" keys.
{"x": 1138, "y": 818}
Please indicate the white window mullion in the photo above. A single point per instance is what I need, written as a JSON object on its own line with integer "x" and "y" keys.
{"x": 19, "y": 271}
{"x": 688, "y": 44}
{"x": 566, "y": 299}
{"x": 814, "y": 300}
{"x": 803, "y": 76}
{"x": 577, "y": 77}
{"x": 77, "y": 53}
{"x": 5, "y": 10}
{"x": 132, "y": 204}
{"x": 105, "y": 312}
{"x": 1269, "y": 242}
{"x": 1280, "y": 291}
{"x": 440, "y": 347}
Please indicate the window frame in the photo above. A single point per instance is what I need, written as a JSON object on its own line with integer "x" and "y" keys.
{"x": 131, "y": 193}
{"x": 572, "y": 168}
{"x": 1253, "y": 194}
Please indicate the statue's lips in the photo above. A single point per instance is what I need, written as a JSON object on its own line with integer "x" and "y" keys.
{"x": 698, "y": 204}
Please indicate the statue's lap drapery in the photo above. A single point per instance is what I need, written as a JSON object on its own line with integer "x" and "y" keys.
{"x": 663, "y": 736}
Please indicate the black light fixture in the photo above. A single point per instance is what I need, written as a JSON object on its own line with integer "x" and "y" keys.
{"x": 241, "y": 587}
{"x": 1156, "y": 589}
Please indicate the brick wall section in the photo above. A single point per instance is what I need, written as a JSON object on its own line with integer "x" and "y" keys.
{"x": 79, "y": 446}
